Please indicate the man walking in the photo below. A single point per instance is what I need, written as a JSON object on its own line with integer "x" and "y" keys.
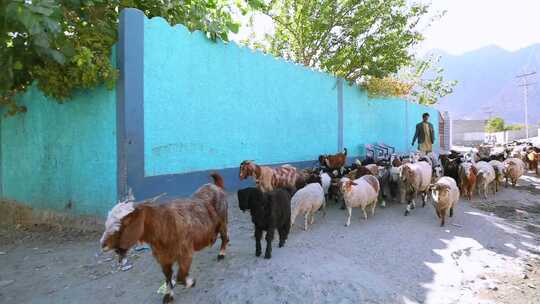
{"x": 425, "y": 135}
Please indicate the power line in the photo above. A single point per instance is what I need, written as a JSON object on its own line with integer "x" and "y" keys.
{"x": 526, "y": 86}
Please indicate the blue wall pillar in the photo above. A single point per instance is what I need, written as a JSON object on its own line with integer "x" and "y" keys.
{"x": 130, "y": 100}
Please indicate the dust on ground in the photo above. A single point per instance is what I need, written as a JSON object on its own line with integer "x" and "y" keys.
{"x": 487, "y": 253}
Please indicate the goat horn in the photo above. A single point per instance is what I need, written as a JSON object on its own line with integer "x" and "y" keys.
{"x": 155, "y": 198}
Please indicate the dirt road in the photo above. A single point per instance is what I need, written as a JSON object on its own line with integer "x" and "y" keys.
{"x": 485, "y": 254}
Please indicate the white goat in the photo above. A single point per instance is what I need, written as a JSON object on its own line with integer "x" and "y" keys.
{"x": 484, "y": 177}
{"x": 362, "y": 192}
{"x": 445, "y": 195}
{"x": 417, "y": 178}
{"x": 307, "y": 201}
{"x": 326, "y": 180}
{"x": 499, "y": 173}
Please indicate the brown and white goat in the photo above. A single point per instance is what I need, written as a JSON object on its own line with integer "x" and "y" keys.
{"x": 268, "y": 179}
{"x": 335, "y": 161}
{"x": 174, "y": 230}
{"x": 532, "y": 159}
{"x": 360, "y": 193}
{"x": 371, "y": 169}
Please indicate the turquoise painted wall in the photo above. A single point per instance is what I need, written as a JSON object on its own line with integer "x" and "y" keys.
{"x": 391, "y": 121}
{"x": 211, "y": 105}
{"x": 60, "y": 153}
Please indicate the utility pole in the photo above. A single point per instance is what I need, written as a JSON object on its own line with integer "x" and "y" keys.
{"x": 489, "y": 111}
{"x": 525, "y": 86}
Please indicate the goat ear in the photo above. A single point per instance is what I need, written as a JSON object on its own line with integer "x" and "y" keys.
{"x": 132, "y": 229}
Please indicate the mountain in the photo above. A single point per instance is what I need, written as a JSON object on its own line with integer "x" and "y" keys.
{"x": 487, "y": 82}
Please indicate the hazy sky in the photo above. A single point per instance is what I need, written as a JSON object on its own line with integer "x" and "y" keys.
{"x": 471, "y": 24}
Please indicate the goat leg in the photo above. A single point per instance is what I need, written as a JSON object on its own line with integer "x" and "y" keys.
{"x": 443, "y": 214}
{"x": 223, "y": 233}
{"x": 269, "y": 239}
{"x": 283, "y": 234}
{"x": 258, "y": 236}
{"x": 364, "y": 212}
{"x": 348, "y": 221}
{"x": 168, "y": 272}
{"x": 184, "y": 264}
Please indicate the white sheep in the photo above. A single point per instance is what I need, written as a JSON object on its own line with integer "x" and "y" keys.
{"x": 445, "y": 195}
{"x": 499, "y": 173}
{"x": 307, "y": 201}
{"x": 514, "y": 168}
{"x": 360, "y": 193}
{"x": 417, "y": 178}
{"x": 484, "y": 177}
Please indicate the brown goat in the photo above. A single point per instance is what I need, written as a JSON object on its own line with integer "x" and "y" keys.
{"x": 467, "y": 179}
{"x": 174, "y": 230}
{"x": 268, "y": 179}
{"x": 335, "y": 161}
{"x": 371, "y": 169}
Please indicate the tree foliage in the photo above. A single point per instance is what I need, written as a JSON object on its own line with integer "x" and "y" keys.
{"x": 497, "y": 124}
{"x": 423, "y": 78}
{"x": 387, "y": 87}
{"x": 367, "y": 42}
{"x": 352, "y": 39}
{"x": 66, "y": 45}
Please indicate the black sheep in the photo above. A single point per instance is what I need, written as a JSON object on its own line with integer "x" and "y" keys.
{"x": 269, "y": 211}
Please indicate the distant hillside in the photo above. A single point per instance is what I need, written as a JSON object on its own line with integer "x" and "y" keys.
{"x": 487, "y": 82}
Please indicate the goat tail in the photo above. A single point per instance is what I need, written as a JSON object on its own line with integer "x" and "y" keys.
{"x": 218, "y": 180}
{"x": 345, "y": 151}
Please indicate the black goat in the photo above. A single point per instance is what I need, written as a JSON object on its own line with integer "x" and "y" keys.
{"x": 269, "y": 211}
{"x": 450, "y": 167}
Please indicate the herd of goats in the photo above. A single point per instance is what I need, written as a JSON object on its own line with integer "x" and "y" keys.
{"x": 179, "y": 227}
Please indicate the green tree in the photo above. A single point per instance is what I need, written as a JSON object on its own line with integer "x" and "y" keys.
{"x": 66, "y": 45}
{"x": 497, "y": 124}
{"x": 351, "y": 39}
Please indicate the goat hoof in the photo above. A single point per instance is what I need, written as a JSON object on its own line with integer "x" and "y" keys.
{"x": 168, "y": 299}
{"x": 281, "y": 244}
{"x": 257, "y": 253}
{"x": 406, "y": 212}
{"x": 220, "y": 257}
{"x": 267, "y": 255}
{"x": 191, "y": 284}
